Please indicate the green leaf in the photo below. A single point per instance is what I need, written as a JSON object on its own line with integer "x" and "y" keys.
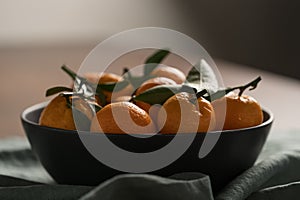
{"x": 153, "y": 61}
{"x": 80, "y": 81}
{"x": 92, "y": 87}
{"x": 72, "y": 74}
{"x": 201, "y": 93}
{"x": 58, "y": 89}
{"x": 102, "y": 97}
{"x": 201, "y": 76}
{"x": 159, "y": 94}
{"x": 218, "y": 94}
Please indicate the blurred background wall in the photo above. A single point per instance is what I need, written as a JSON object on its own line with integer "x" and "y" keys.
{"x": 37, "y": 37}
{"x": 58, "y": 22}
{"x": 261, "y": 33}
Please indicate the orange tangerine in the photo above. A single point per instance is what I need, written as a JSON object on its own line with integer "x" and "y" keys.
{"x": 103, "y": 78}
{"x": 178, "y": 114}
{"x": 58, "y": 114}
{"x": 241, "y": 111}
{"x": 169, "y": 72}
{"x": 122, "y": 117}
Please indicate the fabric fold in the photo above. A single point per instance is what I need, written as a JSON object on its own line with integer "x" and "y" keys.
{"x": 287, "y": 191}
{"x": 149, "y": 187}
{"x": 43, "y": 192}
{"x": 279, "y": 169}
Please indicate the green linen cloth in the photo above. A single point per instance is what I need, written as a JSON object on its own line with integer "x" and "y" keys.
{"x": 275, "y": 176}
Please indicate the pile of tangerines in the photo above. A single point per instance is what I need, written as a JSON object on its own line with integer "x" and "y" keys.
{"x": 149, "y": 104}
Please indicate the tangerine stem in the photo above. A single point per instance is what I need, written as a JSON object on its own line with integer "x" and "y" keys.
{"x": 253, "y": 84}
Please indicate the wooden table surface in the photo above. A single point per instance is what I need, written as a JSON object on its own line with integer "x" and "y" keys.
{"x": 26, "y": 72}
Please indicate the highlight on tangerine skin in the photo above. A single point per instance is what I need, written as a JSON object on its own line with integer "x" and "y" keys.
{"x": 179, "y": 115}
{"x": 241, "y": 111}
{"x": 121, "y": 118}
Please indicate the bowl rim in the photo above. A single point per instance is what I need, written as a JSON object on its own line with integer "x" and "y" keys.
{"x": 43, "y": 104}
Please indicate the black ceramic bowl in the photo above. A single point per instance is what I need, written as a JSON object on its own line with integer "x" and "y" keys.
{"x": 66, "y": 159}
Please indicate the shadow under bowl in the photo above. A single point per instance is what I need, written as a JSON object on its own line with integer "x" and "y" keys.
{"x": 66, "y": 159}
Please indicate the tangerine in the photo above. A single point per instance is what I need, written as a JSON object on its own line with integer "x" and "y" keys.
{"x": 241, "y": 111}
{"x": 103, "y": 78}
{"x": 169, "y": 72}
{"x": 58, "y": 114}
{"x": 122, "y": 117}
{"x": 179, "y": 114}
